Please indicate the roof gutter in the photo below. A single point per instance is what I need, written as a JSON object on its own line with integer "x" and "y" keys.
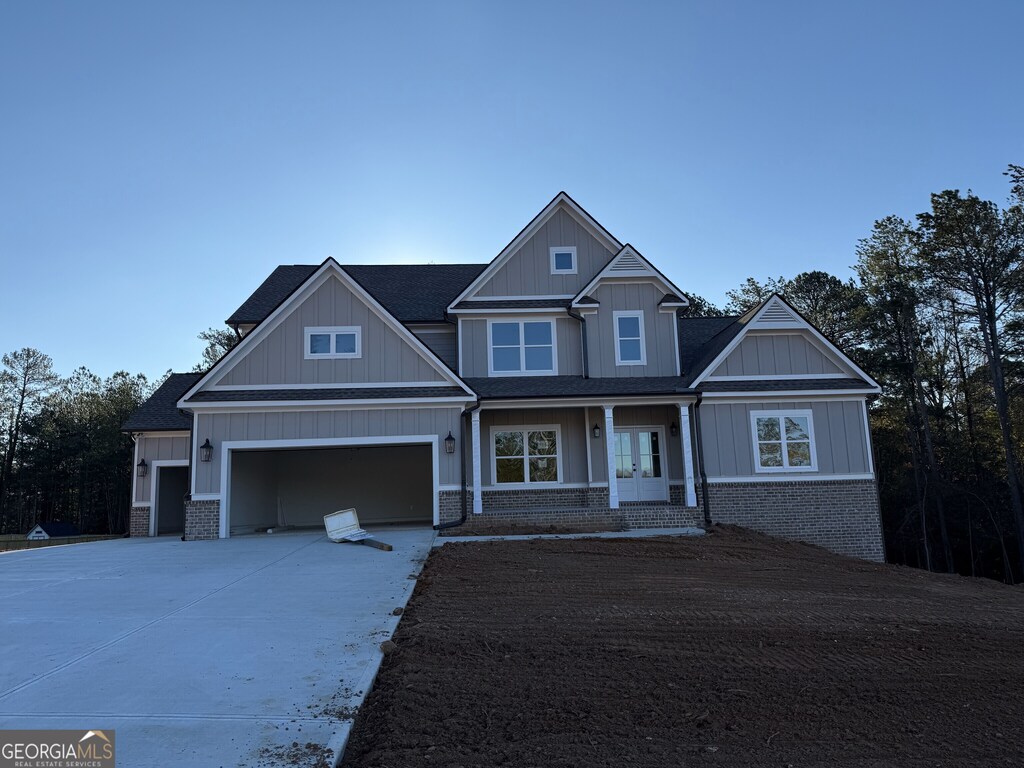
{"x": 705, "y": 502}
{"x": 583, "y": 336}
{"x": 465, "y": 491}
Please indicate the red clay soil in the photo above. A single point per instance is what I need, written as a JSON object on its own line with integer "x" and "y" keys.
{"x": 733, "y": 649}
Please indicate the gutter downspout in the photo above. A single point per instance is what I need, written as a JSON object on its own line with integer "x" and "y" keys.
{"x": 465, "y": 489}
{"x": 583, "y": 336}
{"x": 705, "y": 502}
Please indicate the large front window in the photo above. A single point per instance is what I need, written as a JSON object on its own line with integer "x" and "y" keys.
{"x": 525, "y": 347}
{"x": 528, "y": 455}
{"x": 783, "y": 441}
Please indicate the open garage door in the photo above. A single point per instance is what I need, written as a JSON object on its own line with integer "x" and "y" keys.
{"x": 298, "y": 486}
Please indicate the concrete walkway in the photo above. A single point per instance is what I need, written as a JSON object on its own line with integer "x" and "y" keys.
{"x": 213, "y": 653}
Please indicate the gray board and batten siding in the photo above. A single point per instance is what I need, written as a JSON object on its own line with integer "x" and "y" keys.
{"x": 279, "y": 358}
{"x": 841, "y": 443}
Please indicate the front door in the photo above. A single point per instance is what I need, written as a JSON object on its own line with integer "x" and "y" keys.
{"x": 639, "y": 464}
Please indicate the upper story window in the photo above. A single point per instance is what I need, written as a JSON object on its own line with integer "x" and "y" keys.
{"x": 334, "y": 342}
{"x": 521, "y": 347}
{"x": 563, "y": 260}
{"x": 783, "y": 441}
{"x": 630, "y": 345}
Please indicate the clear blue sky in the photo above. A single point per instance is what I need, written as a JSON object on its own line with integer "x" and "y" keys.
{"x": 159, "y": 159}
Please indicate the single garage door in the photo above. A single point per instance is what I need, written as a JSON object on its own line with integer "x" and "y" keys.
{"x": 298, "y": 486}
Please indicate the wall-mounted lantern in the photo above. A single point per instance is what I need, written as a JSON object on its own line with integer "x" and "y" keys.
{"x": 449, "y": 443}
{"x": 142, "y": 468}
{"x": 674, "y": 429}
{"x": 206, "y": 451}
{"x": 597, "y": 431}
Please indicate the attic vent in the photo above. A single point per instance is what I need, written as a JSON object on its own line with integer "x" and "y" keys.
{"x": 777, "y": 312}
{"x": 627, "y": 262}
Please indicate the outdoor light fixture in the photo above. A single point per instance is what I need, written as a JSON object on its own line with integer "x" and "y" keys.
{"x": 674, "y": 429}
{"x": 205, "y": 451}
{"x": 597, "y": 430}
{"x": 141, "y": 468}
{"x": 449, "y": 443}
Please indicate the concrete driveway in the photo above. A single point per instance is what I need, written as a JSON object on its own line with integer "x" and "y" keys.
{"x": 211, "y": 653}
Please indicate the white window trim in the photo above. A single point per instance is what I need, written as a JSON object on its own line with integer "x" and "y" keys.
{"x": 526, "y": 457}
{"x": 643, "y": 337}
{"x": 332, "y": 330}
{"x": 805, "y": 413}
{"x": 564, "y": 249}
{"x": 522, "y": 347}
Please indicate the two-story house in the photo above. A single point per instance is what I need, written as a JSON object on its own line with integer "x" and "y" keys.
{"x": 562, "y": 384}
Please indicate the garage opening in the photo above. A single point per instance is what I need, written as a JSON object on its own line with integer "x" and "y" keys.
{"x": 172, "y": 486}
{"x": 296, "y": 487}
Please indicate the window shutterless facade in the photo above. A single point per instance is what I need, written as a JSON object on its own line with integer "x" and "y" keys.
{"x": 333, "y": 342}
{"x": 783, "y": 441}
{"x": 563, "y": 260}
{"x": 521, "y": 347}
{"x": 630, "y": 344}
{"x": 526, "y": 455}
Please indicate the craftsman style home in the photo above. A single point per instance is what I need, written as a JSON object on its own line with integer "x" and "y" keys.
{"x": 562, "y": 384}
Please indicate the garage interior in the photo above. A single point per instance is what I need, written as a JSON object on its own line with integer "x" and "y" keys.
{"x": 172, "y": 486}
{"x": 296, "y": 487}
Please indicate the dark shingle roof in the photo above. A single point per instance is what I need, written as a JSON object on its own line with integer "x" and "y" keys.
{"x": 349, "y": 393}
{"x": 58, "y": 528}
{"x": 781, "y": 385}
{"x": 573, "y": 386}
{"x": 160, "y": 412}
{"x": 413, "y": 293}
{"x": 701, "y": 339}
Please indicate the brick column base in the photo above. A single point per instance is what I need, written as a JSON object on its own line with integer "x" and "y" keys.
{"x": 138, "y": 522}
{"x": 202, "y": 520}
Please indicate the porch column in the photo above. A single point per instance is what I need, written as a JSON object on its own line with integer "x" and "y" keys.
{"x": 609, "y": 436}
{"x": 684, "y": 435}
{"x": 478, "y": 495}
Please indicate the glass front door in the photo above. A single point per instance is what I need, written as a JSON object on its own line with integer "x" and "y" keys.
{"x": 639, "y": 464}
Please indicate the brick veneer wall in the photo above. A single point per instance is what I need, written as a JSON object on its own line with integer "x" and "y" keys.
{"x": 840, "y": 515}
{"x": 138, "y": 522}
{"x": 202, "y": 520}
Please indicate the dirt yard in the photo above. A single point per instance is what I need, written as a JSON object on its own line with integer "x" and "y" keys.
{"x": 729, "y": 650}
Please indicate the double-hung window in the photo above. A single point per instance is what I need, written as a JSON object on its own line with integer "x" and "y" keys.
{"x": 333, "y": 342}
{"x": 521, "y": 347}
{"x": 525, "y": 455}
{"x": 630, "y": 346}
{"x": 783, "y": 441}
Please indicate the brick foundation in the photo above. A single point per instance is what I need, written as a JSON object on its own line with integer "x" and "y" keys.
{"x": 138, "y": 522}
{"x": 568, "y": 509}
{"x": 202, "y": 520}
{"x": 839, "y": 515}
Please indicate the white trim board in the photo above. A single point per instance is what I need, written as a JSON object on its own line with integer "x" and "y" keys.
{"x": 775, "y": 304}
{"x": 328, "y": 270}
{"x": 793, "y": 394}
{"x": 561, "y": 200}
{"x": 793, "y": 478}
{"x": 383, "y": 402}
{"x": 781, "y": 377}
{"x": 228, "y": 446}
{"x": 335, "y": 385}
{"x": 613, "y": 271}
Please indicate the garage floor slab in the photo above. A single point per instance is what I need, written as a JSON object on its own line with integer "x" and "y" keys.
{"x": 210, "y": 653}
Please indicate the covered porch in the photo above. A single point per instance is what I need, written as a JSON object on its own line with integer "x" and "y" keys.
{"x": 541, "y": 462}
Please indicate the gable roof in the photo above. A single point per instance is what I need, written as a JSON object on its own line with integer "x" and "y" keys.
{"x": 329, "y": 268}
{"x": 559, "y": 201}
{"x": 57, "y": 528}
{"x": 629, "y": 262}
{"x": 413, "y": 293}
{"x": 774, "y": 313}
{"x": 160, "y": 412}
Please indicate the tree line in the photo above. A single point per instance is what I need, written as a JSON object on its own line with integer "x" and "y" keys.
{"x": 935, "y": 312}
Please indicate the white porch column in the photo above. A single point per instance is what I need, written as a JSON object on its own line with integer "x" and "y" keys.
{"x": 478, "y": 496}
{"x": 609, "y": 436}
{"x": 684, "y": 435}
